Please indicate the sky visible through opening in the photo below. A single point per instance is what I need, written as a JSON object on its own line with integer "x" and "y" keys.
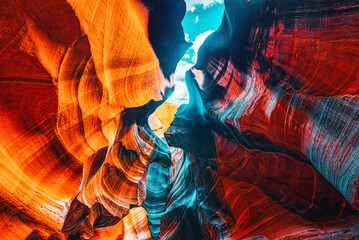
{"x": 202, "y": 18}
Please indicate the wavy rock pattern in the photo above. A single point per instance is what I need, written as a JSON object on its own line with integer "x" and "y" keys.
{"x": 291, "y": 118}
{"x": 66, "y": 83}
{"x": 266, "y": 148}
{"x": 258, "y": 97}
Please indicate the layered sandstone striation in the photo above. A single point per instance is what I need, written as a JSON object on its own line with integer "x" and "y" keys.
{"x": 266, "y": 148}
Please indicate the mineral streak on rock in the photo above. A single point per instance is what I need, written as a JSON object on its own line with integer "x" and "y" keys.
{"x": 266, "y": 148}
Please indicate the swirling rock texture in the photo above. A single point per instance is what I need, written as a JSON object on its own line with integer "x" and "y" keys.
{"x": 266, "y": 148}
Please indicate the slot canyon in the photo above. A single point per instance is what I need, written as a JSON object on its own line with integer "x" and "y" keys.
{"x": 179, "y": 120}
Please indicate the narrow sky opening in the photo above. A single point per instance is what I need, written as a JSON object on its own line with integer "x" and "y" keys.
{"x": 202, "y": 18}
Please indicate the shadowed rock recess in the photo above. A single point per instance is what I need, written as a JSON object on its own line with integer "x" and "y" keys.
{"x": 266, "y": 148}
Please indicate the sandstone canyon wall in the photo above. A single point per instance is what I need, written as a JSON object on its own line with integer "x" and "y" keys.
{"x": 266, "y": 148}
